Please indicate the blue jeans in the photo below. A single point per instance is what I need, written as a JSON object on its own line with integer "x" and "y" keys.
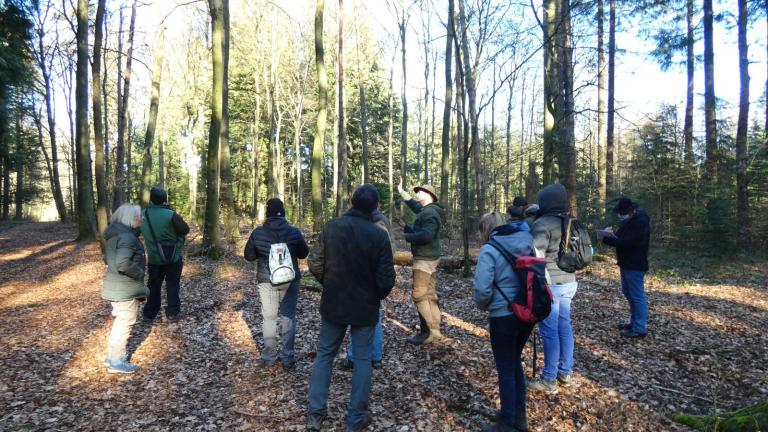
{"x": 171, "y": 274}
{"x": 378, "y": 343}
{"x": 329, "y": 341}
{"x": 633, "y": 287}
{"x": 557, "y": 333}
{"x": 508, "y": 337}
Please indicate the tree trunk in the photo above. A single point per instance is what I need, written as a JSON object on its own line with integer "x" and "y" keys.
{"x": 146, "y": 169}
{"x": 742, "y": 207}
{"x": 342, "y": 191}
{"x": 39, "y": 126}
{"x": 390, "y": 132}
{"x": 446, "y": 134}
{"x": 601, "y": 110}
{"x": 228, "y": 210}
{"x": 161, "y": 163}
{"x": 463, "y": 146}
{"x": 19, "y": 162}
{"x": 549, "y": 28}
{"x": 322, "y": 112}
{"x": 364, "y": 127}
{"x": 98, "y": 127}
{"x": 211, "y": 233}
{"x": 470, "y": 77}
{"x": 690, "y": 68}
{"x": 710, "y": 115}
{"x": 120, "y": 194}
{"x": 255, "y": 149}
{"x": 404, "y": 103}
{"x": 508, "y": 145}
{"x": 610, "y": 177}
{"x": 567, "y": 141}
{"x": 85, "y": 211}
{"x": 58, "y": 196}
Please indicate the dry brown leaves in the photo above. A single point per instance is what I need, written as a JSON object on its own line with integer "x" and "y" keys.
{"x": 706, "y": 350}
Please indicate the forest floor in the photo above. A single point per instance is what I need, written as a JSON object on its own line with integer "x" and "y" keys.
{"x": 706, "y": 350}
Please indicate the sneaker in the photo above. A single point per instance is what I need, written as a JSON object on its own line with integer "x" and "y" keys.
{"x": 360, "y": 426}
{"x": 122, "y": 367}
{"x": 174, "y": 318}
{"x": 624, "y": 327}
{"x": 346, "y": 365}
{"x": 540, "y": 385}
{"x": 632, "y": 334}
{"x": 265, "y": 364}
{"x": 565, "y": 380}
{"x": 376, "y": 364}
{"x": 108, "y": 362}
{"x": 314, "y": 422}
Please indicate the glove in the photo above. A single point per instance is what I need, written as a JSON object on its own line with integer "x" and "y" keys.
{"x": 408, "y": 229}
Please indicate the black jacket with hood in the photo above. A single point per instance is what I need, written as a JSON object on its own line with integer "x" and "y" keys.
{"x": 546, "y": 230}
{"x": 631, "y": 242}
{"x": 275, "y": 230}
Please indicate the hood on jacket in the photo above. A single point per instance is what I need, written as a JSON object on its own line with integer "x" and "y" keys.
{"x": 440, "y": 210}
{"x": 274, "y": 222}
{"x": 116, "y": 228}
{"x": 553, "y": 199}
{"x": 517, "y": 242}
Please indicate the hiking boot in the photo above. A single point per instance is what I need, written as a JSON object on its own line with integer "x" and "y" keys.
{"x": 314, "y": 422}
{"x": 632, "y": 334}
{"x": 624, "y": 327}
{"x": 540, "y": 385}
{"x": 418, "y": 338}
{"x": 565, "y": 379}
{"x": 174, "y": 318}
{"x": 521, "y": 421}
{"x": 346, "y": 365}
{"x": 360, "y": 426}
{"x": 264, "y": 364}
{"x": 288, "y": 363}
{"x": 376, "y": 364}
{"x": 122, "y": 367}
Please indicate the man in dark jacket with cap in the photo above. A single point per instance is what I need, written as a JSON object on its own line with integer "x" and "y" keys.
{"x": 631, "y": 241}
{"x": 352, "y": 259}
{"x": 164, "y": 232}
{"x": 555, "y": 330}
{"x": 277, "y": 301}
{"x": 424, "y": 237}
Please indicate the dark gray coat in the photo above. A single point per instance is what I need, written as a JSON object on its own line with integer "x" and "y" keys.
{"x": 546, "y": 230}
{"x": 126, "y": 262}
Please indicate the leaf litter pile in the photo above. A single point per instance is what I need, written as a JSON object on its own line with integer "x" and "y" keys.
{"x": 707, "y": 351}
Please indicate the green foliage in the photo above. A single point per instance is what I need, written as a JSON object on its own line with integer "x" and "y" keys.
{"x": 750, "y": 419}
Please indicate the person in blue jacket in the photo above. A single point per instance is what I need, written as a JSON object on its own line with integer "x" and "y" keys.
{"x": 508, "y": 334}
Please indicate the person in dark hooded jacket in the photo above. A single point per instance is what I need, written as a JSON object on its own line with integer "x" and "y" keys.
{"x": 277, "y": 301}
{"x": 555, "y": 330}
{"x": 631, "y": 241}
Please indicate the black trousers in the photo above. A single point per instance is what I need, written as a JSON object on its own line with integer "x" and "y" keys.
{"x": 171, "y": 274}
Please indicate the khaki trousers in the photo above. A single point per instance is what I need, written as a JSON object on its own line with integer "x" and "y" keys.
{"x": 425, "y": 294}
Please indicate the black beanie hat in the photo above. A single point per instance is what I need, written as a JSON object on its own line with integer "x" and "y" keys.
{"x": 516, "y": 212}
{"x": 365, "y": 198}
{"x": 158, "y": 195}
{"x": 519, "y": 202}
{"x": 275, "y": 207}
{"x": 624, "y": 206}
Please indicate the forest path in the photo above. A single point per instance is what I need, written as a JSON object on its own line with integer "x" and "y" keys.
{"x": 707, "y": 346}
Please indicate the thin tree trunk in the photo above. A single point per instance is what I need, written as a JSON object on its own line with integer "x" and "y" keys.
{"x": 463, "y": 146}
{"x": 690, "y": 69}
{"x": 549, "y": 28}
{"x": 742, "y": 153}
{"x": 146, "y": 169}
{"x": 404, "y": 104}
{"x": 211, "y": 233}
{"x": 567, "y": 141}
{"x": 104, "y": 92}
{"x": 508, "y": 145}
{"x": 228, "y": 210}
{"x": 255, "y": 149}
{"x": 601, "y": 110}
{"x": 610, "y": 176}
{"x": 322, "y": 112}
{"x": 19, "y": 162}
{"x": 86, "y": 216}
{"x": 342, "y": 191}
{"x": 98, "y": 127}
{"x": 161, "y": 163}
{"x": 121, "y": 194}
{"x": 710, "y": 116}
{"x": 446, "y": 134}
{"x": 390, "y": 132}
{"x": 39, "y": 126}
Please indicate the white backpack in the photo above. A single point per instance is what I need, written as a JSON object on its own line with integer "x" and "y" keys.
{"x": 280, "y": 264}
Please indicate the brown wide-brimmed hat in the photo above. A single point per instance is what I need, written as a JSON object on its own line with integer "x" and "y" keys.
{"x": 428, "y": 189}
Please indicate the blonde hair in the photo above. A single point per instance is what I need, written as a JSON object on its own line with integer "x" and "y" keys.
{"x": 488, "y": 222}
{"x": 126, "y": 214}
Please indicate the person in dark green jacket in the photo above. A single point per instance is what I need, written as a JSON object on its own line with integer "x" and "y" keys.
{"x": 164, "y": 232}
{"x": 424, "y": 237}
{"x": 123, "y": 283}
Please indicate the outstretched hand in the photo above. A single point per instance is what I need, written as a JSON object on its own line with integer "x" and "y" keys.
{"x": 400, "y": 185}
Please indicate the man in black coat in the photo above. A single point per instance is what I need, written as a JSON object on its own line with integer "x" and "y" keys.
{"x": 352, "y": 259}
{"x": 277, "y": 301}
{"x": 631, "y": 241}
